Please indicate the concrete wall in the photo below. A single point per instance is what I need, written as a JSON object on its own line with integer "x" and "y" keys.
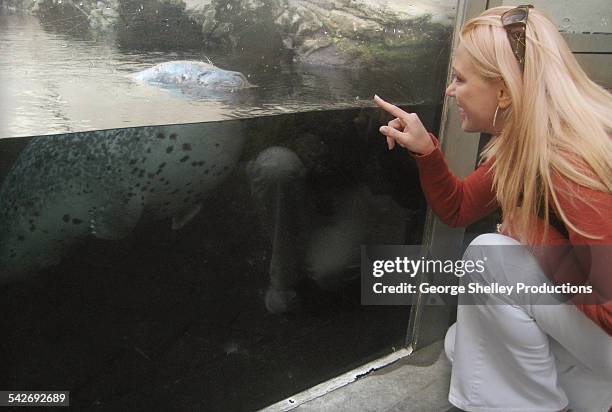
{"x": 587, "y": 27}
{"x": 582, "y": 16}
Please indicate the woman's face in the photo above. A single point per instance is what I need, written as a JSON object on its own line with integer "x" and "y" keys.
{"x": 476, "y": 97}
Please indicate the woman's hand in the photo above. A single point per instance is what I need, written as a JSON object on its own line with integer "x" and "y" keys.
{"x": 406, "y": 130}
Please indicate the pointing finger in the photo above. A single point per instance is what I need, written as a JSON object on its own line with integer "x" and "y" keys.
{"x": 390, "y": 108}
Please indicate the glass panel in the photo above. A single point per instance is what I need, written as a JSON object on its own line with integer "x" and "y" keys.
{"x": 190, "y": 243}
{"x": 268, "y": 216}
{"x": 73, "y": 65}
{"x": 592, "y": 16}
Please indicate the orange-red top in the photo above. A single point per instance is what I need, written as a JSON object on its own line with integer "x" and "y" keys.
{"x": 460, "y": 203}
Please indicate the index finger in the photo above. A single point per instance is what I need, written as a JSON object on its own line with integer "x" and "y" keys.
{"x": 390, "y": 108}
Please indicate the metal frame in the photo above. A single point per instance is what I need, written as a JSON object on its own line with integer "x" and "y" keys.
{"x": 461, "y": 152}
{"x": 339, "y": 381}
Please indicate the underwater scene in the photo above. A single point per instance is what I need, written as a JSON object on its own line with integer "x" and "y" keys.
{"x": 211, "y": 265}
{"x": 185, "y": 187}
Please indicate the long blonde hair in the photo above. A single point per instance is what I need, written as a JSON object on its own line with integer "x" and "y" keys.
{"x": 559, "y": 121}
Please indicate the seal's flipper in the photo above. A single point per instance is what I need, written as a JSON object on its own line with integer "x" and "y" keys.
{"x": 111, "y": 222}
{"x": 182, "y": 219}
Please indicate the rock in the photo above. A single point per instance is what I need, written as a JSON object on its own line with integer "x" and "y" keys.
{"x": 349, "y": 33}
{"x": 338, "y": 32}
{"x": 346, "y": 24}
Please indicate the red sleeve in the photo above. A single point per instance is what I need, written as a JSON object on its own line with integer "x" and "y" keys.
{"x": 457, "y": 203}
{"x": 590, "y": 211}
{"x": 462, "y": 202}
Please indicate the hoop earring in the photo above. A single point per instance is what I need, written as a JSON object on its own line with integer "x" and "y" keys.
{"x": 495, "y": 116}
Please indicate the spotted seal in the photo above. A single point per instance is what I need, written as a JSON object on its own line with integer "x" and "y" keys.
{"x": 67, "y": 187}
{"x": 194, "y": 78}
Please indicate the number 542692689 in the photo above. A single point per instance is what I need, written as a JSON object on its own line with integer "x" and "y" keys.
{"x": 34, "y": 398}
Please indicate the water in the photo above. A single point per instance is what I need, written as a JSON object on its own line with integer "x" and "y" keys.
{"x": 163, "y": 319}
{"x": 56, "y": 78}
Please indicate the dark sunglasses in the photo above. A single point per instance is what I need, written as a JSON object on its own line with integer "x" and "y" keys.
{"x": 515, "y": 23}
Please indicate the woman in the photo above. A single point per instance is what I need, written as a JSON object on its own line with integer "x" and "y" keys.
{"x": 549, "y": 169}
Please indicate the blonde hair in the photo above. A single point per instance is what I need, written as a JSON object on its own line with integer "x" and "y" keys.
{"x": 559, "y": 121}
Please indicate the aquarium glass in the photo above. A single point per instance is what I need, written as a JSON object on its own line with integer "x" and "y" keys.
{"x": 185, "y": 188}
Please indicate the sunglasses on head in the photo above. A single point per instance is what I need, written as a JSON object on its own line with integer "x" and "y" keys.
{"x": 515, "y": 23}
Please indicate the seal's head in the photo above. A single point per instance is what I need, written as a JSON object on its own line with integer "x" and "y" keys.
{"x": 223, "y": 79}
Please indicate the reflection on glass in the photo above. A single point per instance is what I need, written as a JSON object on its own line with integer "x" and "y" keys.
{"x": 69, "y": 65}
{"x": 200, "y": 264}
